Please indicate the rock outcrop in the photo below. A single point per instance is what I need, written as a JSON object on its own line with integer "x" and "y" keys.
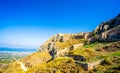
{"x": 105, "y": 26}
{"x": 112, "y": 34}
{"x": 107, "y": 31}
{"x": 51, "y": 45}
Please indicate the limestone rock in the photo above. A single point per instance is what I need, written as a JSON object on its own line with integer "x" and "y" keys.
{"x": 108, "y": 31}
{"x": 56, "y": 38}
{"x": 112, "y": 34}
{"x": 107, "y": 25}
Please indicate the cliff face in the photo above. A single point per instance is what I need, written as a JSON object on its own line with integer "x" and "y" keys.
{"x": 105, "y": 26}
{"x": 109, "y": 30}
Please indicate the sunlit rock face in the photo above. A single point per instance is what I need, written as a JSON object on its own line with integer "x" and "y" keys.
{"x": 105, "y": 26}
{"x": 112, "y": 34}
{"x": 51, "y": 42}
{"x": 107, "y": 31}
{"x": 51, "y": 45}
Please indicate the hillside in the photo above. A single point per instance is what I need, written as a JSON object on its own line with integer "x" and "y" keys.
{"x": 86, "y": 52}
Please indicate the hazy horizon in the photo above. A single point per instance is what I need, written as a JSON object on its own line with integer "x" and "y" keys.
{"x": 29, "y": 23}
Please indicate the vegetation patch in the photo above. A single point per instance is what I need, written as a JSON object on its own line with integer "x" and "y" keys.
{"x": 13, "y": 68}
{"x": 68, "y": 43}
{"x": 110, "y": 65}
{"x": 86, "y": 52}
{"x": 36, "y": 58}
{"x": 58, "y": 65}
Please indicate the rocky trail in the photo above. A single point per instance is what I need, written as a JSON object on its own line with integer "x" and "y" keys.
{"x": 22, "y": 66}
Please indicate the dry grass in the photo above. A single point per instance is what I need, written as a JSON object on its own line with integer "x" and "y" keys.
{"x": 87, "y": 53}
{"x": 59, "y": 65}
{"x": 36, "y": 58}
{"x": 68, "y": 43}
{"x": 13, "y": 68}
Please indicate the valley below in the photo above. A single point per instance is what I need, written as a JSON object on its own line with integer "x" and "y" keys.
{"x": 11, "y": 56}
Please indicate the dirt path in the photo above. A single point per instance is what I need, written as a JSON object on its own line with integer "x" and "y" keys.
{"x": 22, "y": 66}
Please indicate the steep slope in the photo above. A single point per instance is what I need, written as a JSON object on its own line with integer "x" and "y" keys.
{"x": 61, "y": 43}
{"x": 105, "y": 26}
{"x": 109, "y": 30}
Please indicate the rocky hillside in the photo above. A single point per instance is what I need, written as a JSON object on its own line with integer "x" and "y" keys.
{"x": 105, "y": 26}
{"x": 106, "y": 31}
{"x": 109, "y": 30}
{"x": 61, "y": 43}
{"x": 86, "y": 52}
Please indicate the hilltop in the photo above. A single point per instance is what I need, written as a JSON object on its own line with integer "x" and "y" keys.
{"x": 85, "y": 52}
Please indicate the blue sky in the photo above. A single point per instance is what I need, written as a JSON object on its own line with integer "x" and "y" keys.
{"x": 28, "y": 23}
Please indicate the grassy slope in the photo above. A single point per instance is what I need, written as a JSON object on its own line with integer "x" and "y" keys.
{"x": 111, "y": 65}
{"x": 36, "y": 58}
{"x": 12, "y": 68}
{"x": 66, "y": 64}
{"x": 29, "y": 61}
{"x": 68, "y": 43}
{"x": 59, "y": 65}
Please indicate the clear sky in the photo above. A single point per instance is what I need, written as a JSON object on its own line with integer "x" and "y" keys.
{"x": 28, "y": 23}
